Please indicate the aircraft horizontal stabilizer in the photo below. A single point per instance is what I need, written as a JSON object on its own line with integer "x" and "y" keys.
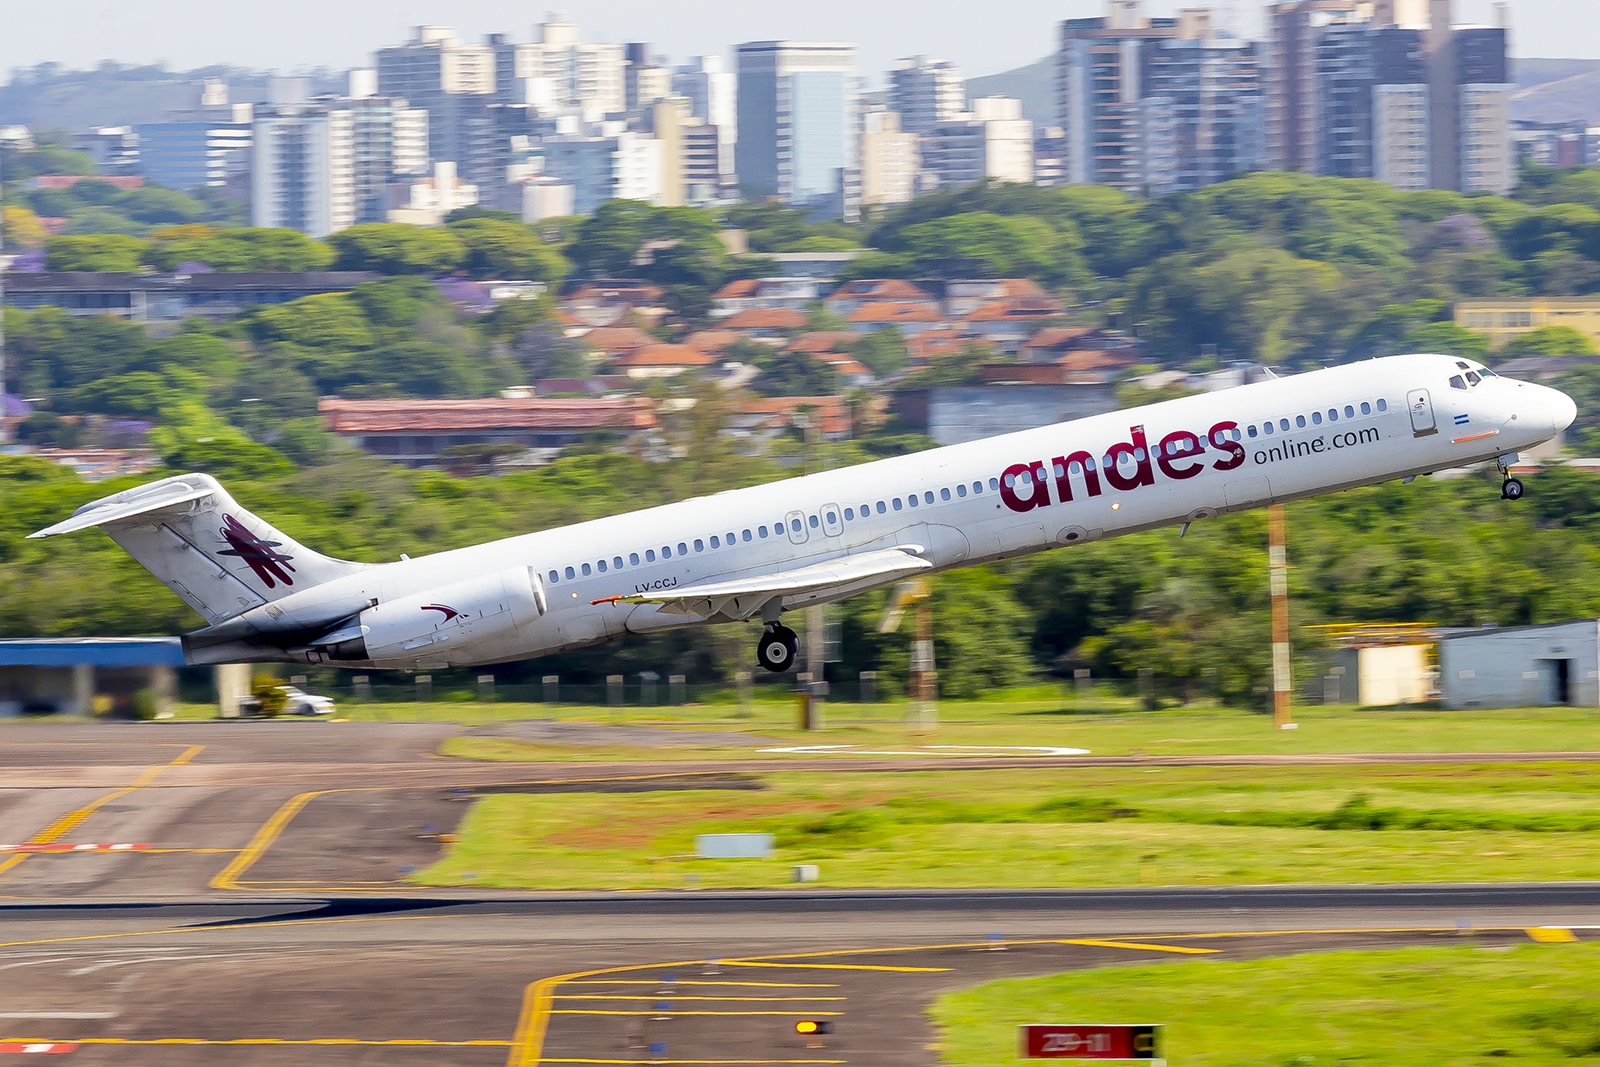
{"x": 744, "y": 597}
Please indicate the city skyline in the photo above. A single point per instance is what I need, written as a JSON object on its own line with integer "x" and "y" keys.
{"x": 186, "y": 34}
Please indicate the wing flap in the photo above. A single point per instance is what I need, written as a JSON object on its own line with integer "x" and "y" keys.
{"x": 742, "y": 597}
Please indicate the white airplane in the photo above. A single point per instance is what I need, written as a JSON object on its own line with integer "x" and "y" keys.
{"x": 755, "y": 553}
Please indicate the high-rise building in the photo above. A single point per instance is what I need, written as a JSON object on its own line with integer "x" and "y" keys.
{"x": 1156, "y": 103}
{"x": 644, "y": 80}
{"x": 890, "y": 160}
{"x": 1388, "y": 89}
{"x": 1400, "y": 127}
{"x": 798, "y": 119}
{"x": 445, "y": 77}
{"x": 207, "y": 144}
{"x": 926, "y": 93}
{"x": 710, "y": 91}
{"x": 323, "y": 165}
{"x": 992, "y": 141}
{"x": 691, "y": 154}
{"x": 612, "y": 163}
{"x": 575, "y": 77}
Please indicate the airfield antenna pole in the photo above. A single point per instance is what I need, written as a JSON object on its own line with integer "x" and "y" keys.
{"x": 1282, "y": 680}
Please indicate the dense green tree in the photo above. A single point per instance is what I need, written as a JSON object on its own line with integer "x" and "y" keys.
{"x": 501, "y": 248}
{"x": 101, "y": 252}
{"x": 395, "y": 248}
{"x": 1549, "y": 341}
{"x": 239, "y": 250}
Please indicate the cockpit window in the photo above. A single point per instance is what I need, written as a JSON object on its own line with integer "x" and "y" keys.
{"x": 1457, "y": 383}
{"x": 1473, "y": 379}
{"x": 1487, "y": 373}
{"x": 1463, "y": 366}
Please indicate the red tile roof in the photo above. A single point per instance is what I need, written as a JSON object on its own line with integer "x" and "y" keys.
{"x": 832, "y": 412}
{"x": 764, "y": 319}
{"x": 742, "y": 289}
{"x": 1015, "y": 310}
{"x": 614, "y": 339}
{"x": 665, "y": 356}
{"x": 824, "y": 341}
{"x": 879, "y": 289}
{"x": 891, "y": 312}
{"x": 713, "y": 341}
{"x": 1057, "y": 336}
{"x": 457, "y": 416}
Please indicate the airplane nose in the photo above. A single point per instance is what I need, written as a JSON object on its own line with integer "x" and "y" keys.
{"x": 1562, "y": 410}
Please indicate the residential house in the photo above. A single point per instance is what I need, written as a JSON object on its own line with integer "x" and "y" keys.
{"x": 765, "y": 324}
{"x": 609, "y": 342}
{"x": 617, "y": 301}
{"x": 1009, "y": 324}
{"x": 963, "y": 297}
{"x": 662, "y": 361}
{"x": 910, "y": 319}
{"x": 794, "y": 293}
{"x": 852, "y": 295}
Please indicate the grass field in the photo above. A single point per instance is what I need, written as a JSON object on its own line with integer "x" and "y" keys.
{"x": 1056, "y": 828}
{"x": 1533, "y": 1005}
{"x": 1106, "y": 731}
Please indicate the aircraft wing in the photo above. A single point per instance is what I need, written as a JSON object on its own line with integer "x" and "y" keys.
{"x": 744, "y": 597}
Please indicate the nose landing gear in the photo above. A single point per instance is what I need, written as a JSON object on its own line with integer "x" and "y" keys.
{"x": 1511, "y": 488}
{"x": 778, "y": 648}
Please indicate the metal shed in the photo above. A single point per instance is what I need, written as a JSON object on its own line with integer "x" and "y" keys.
{"x": 68, "y": 674}
{"x": 1522, "y": 666}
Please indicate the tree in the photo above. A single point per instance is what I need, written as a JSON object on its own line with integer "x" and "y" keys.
{"x": 395, "y": 248}
{"x": 501, "y": 248}
{"x": 102, "y": 252}
{"x": 787, "y": 373}
{"x": 543, "y": 350}
{"x": 883, "y": 352}
{"x": 1582, "y": 383}
{"x": 22, "y": 228}
{"x": 1549, "y": 341}
{"x": 609, "y": 240}
{"x": 239, "y": 250}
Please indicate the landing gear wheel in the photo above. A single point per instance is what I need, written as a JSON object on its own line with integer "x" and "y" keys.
{"x": 1511, "y": 490}
{"x": 778, "y": 648}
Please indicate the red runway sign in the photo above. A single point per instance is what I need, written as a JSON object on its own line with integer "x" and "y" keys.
{"x": 1050, "y": 1041}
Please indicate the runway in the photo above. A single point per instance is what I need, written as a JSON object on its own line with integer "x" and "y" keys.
{"x": 259, "y": 915}
{"x": 580, "y": 979}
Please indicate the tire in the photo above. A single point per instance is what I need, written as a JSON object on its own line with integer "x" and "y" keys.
{"x": 1512, "y": 490}
{"x": 778, "y": 649}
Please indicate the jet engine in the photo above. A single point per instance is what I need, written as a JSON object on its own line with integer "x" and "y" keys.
{"x": 437, "y": 623}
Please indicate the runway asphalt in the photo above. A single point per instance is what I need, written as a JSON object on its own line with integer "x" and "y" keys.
{"x": 243, "y": 933}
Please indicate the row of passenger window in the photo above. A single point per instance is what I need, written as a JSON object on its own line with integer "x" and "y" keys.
{"x": 1316, "y": 418}
{"x": 761, "y": 533}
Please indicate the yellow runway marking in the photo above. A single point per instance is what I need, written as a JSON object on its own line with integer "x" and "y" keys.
{"x": 740, "y": 985}
{"x": 708, "y": 1062}
{"x": 228, "y": 877}
{"x": 676, "y": 997}
{"x": 1181, "y": 949}
{"x": 583, "y": 1011}
{"x": 70, "y": 821}
{"x": 1552, "y": 935}
{"x": 838, "y": 967}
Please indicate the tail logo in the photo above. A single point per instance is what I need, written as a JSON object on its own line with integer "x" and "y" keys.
{"x": 263, "y": 557}
{"x": 447, "y": 613}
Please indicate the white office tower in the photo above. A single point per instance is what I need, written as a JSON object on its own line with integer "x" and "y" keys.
{"x": 890, "y": 160}
{"x": 571, "y": 76}
{"x": 611, "y": 163}
{"x": 302, "y": 171}
{"x": 445, "y": 77}
{"x": 710, "y": 90}
{"x": 798, "y": 125}
{"x": 926, "y": 93}
{"x": 991, "y": 141}
{"x": 429, "y": 200}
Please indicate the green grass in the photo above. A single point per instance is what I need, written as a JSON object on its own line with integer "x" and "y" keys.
{"x": 1105, "y": 730}
{"x": 1532, "y": 1005}
{"x": 1056, "y": 828}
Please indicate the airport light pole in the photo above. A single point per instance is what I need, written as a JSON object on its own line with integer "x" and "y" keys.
{"x": 1282, "y": 675}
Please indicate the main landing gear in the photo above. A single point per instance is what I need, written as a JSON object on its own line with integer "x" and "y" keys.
{"x": 778, "y": 648}
{"x": 1511, "y": 488}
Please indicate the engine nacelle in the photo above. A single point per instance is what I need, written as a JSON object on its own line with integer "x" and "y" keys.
{"x": 436, "y": 623}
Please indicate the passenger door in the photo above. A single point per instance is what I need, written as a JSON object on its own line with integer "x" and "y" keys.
{"x": 1421, "y": 406}
{"x": 795, "y": 524}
